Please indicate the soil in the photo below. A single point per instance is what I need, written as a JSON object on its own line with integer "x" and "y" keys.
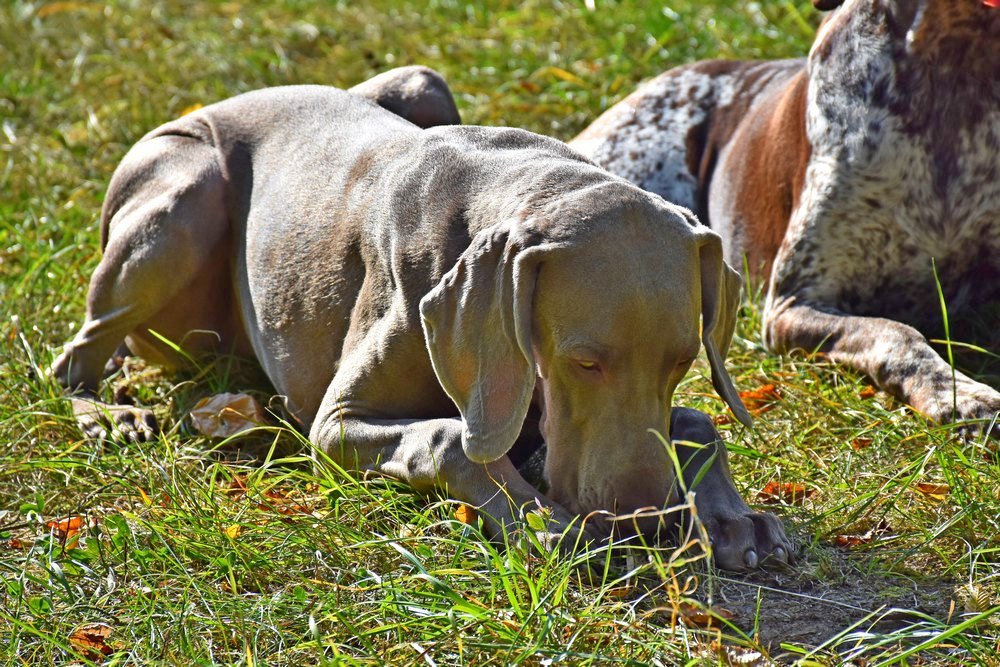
{"x": 823, "y": 597}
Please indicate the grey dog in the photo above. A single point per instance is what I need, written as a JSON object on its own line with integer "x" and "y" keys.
{"x": 412, "y": 292}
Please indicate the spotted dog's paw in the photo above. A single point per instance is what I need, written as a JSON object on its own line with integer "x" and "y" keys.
{"x": 972, "y": 404}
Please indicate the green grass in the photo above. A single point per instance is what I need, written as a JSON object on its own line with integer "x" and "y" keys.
{"x": 200, "y": 552}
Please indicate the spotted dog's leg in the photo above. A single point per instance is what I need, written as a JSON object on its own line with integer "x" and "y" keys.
{"x": 895, "y": 356}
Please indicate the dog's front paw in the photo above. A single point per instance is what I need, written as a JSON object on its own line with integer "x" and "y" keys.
{"x": 119, "y": 423}
{"x": 745, "y": 540}
{"x": 972, "y": 404}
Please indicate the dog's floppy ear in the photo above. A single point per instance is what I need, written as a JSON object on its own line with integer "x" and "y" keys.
{"x": 827, "y": 5}
{"x": 477, "y": 325}
{"x": 720, "y": 301}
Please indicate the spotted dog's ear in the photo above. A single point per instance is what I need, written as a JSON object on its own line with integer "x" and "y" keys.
{"x": 827, "y": 5}
{"x": 477, "y": 326}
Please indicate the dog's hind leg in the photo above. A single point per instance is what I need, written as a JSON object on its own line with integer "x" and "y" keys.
{"x": 416, "y": 93}
{"x": 164, "y": 219}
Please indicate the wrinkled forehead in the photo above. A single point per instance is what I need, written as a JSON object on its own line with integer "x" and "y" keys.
{"x": 615, "y": 293}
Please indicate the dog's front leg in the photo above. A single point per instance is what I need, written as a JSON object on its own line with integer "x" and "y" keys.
{"x": 427, "y": 454}
{"x": 741, "y": 538}
{"x": 895, "y": 356}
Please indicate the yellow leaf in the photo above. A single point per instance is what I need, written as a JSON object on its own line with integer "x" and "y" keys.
{"x": 233, "y": 531}
{"x": 560, "y": 73}
{"x": 192, "y": 108}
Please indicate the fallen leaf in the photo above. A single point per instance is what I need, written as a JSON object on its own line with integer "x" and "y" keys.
{"x": 289, "y": 510}
{"x": 466, "y": 514}
{"x": 619, "y": 591}
{"x": 761, "y": 399}
{"x": 233, "y": 531}
{"x": 702, "y": 617}
{"x": 66, "y": 530}
{"x": 848, "y": 541}
{"x": 225, "y": 415}
{"x": 91, "y": 640}
{"x": 785, "y": 492}
{"x": 721, "y": 419}
{"x": 867, "y": 392}
{"x": 861, "y": 443}
{"x": 934, "y": 491}
{"x": 192, "y": 108}
{"x": 238, "y": 486}
{"x": 15, "y": 544}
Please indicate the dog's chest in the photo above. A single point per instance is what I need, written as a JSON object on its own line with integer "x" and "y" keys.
{"x": 936, "y": 205}
{"x": 898, "y": 177}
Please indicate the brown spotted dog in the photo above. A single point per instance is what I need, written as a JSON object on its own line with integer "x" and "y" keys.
{"x": 839, "y": 178}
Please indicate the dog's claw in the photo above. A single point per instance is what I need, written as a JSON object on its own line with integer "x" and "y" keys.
{"x": 750, "y": 558}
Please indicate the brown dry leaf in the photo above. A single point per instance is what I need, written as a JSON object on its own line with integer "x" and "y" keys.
{"x": 284, "y": 501}
{"x": 785, "y": 492}
{"x": 867, "y": 392}
{"x": 721, "y": 419}
{"x": 761, "y": 399}
{"x": 849, "y": 541}
{"x": 15, "y": 544}
{"x": 702, "y": 617}
{"x": 289, "y": 510}
{"x": 224, "y": 415}
{"x": 861, "y": 443}
{"x": 933, "y": 491}
{"x": 619, "y": 591}
{"x": 66, "y": 530}
{"x": 238, "y": 486}
{"x": 466, "y": 514}
{"x": 91, "y": 640}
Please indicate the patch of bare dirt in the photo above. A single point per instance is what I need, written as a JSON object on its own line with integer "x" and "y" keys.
{"x": 816, "y": 600}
